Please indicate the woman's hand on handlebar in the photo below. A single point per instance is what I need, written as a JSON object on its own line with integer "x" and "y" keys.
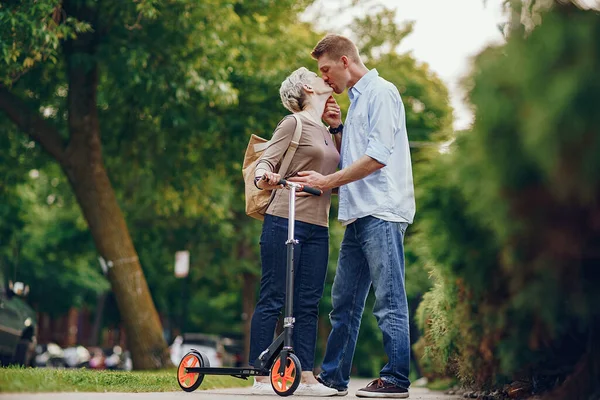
{"x": 269, "y": 181}
{"x": 272, "y": 181}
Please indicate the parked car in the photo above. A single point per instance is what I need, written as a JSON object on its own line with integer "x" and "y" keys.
{"x": 77, "y": 357}
{"x": 117, "y": 359}
{"x": 233, "y": 355}
{"x": 18, "y": 324}
{"x": 209, "y": 345}
{"x": 49, "y": 355}
{"x": 98, "y": 358}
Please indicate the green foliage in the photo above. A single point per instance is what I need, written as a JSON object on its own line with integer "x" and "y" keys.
{"x": 432, "y": 318}
{"x": 31, "y": 32}
{"x": 510, "y": 216}
{"x": 378, "y": 33}
{"x": 55, "y": 251}
{"x": 45, "y": 242}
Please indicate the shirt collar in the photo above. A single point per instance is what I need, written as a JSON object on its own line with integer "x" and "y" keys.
{"x": 362, "y": 84}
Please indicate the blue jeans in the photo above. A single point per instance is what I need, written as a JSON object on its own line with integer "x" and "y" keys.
{"x": 311, "y": 256}
{"x": 372, "y": 252}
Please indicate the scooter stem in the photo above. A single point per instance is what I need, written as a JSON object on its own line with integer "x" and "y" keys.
{"x": 288, "y": 321}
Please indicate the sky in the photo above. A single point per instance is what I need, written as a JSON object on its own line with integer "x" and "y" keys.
{"x": 447, "y": 33}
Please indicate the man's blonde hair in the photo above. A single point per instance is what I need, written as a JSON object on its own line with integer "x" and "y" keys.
{"x": 292, "y": 91}
{"x": 336, "y": 46}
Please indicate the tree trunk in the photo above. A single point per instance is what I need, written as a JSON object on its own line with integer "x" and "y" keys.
{"x": 84, "y": 167}
{"x": 85, "y": 170}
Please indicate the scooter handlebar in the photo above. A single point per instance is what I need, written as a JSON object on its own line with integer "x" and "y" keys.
{"x": 307, "y": 189}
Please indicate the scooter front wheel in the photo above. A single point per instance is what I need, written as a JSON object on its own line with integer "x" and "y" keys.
{"x": 288, "y": 383}
{"x": 190, "y": 381}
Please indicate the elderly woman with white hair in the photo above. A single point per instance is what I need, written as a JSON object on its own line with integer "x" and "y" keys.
{"x": 305, "y": 94}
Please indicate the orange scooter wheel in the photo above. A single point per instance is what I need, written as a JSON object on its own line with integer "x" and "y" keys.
{"x": 288, "y": 383}
{"x": 190, "y": 381}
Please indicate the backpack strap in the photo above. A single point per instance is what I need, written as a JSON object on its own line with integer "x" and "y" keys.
{"x": 289, "y": 154}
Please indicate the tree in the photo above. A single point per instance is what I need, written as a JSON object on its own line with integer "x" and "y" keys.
{"x": 81, "y": 160}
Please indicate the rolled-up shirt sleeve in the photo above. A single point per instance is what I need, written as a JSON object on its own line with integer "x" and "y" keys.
{"x": 279, "y": 143}
{"x": 386, "y": 115}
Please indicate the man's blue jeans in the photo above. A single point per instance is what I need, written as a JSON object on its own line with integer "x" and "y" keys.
{"x": 372, "y": 252}
{"x": 311, "y": 256}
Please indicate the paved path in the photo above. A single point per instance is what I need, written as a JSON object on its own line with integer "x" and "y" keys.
{"x": 220, "y": 394}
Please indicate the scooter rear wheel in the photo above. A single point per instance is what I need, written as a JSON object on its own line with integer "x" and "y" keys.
{"x": 189, "y": 381}
{"x": 288, "y": 383}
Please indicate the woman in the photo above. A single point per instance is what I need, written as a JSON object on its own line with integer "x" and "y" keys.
{"x": 306, "y": 94}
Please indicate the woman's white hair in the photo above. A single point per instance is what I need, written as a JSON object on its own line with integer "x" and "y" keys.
{"x": 292, "y": 92}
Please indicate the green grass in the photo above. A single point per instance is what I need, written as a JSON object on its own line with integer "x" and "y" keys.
{"x": 14, "y": 379}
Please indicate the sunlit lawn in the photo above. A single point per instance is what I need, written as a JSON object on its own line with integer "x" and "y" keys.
{"x": 14, "y": 379}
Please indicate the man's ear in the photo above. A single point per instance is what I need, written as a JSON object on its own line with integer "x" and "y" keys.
{"x": 345, "y": 61}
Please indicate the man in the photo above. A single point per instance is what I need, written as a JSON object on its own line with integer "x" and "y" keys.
{"x": 376, "y": 204}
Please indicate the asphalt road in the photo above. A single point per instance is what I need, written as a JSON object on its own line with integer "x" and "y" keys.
{"x": 220, "y": 394}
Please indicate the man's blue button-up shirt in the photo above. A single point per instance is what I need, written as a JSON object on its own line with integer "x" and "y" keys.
{"x": 376, "y": 126}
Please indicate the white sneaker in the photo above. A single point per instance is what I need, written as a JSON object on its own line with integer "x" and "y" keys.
{"x": 315, "y": 390}
{"x": 261, "y": 388}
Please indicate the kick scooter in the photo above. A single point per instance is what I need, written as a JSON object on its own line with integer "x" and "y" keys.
{"x": 278, "y": 361}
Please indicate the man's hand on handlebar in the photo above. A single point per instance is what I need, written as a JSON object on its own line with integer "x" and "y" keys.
{"x": 312, "y": 179}
{"x": 272, "y": 181}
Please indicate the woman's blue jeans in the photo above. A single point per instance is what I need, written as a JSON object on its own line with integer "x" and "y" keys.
{"x": 311, "y": 255}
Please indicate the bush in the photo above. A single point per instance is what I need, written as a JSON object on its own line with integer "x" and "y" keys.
{"x": 511, "y": 218}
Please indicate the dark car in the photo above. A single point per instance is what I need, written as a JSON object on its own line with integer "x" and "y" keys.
{"x": 18, "y": 324}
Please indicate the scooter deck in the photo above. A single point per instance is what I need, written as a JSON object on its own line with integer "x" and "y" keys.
{"x": 242, "y": 373}
{"x": 265, "y": 362}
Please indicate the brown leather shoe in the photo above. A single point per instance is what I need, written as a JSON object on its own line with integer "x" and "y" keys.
{"x": 380, "y": 389}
